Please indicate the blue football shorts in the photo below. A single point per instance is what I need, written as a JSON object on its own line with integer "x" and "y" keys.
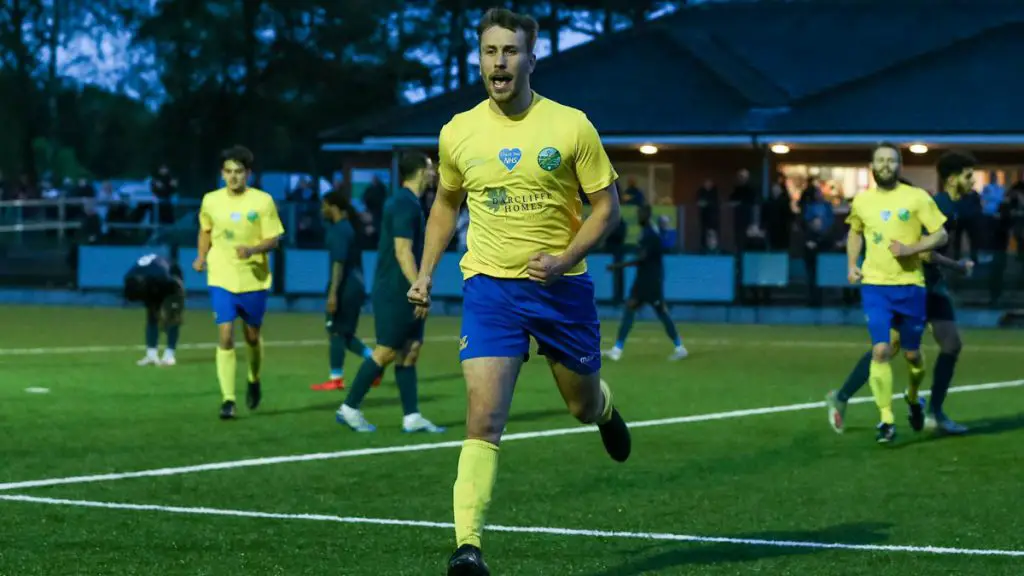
{"x": 900, "y": 308}
{"x": 501, "y": 314}
{"x": 249, "y": 306}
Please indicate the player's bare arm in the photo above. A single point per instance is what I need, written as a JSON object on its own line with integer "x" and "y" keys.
{"x": 927, "y": 243}
{"x": 854, "y": 245}
{"x": 640, "y": 257}
{"x": 406, "y": 259}
{"x": 261, "y": 248}
{"x": 964, "y": 267}
{"x": 604, "y": 217}
{"x": 440, "y": 229}
{"x": 337, "y": 273}
{"x": 203, "y": 244}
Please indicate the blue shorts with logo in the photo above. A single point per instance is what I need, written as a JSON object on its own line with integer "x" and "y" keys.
{"x": 500, "y": 315}
{"x": 903, "y": 308}
{"x": 249, "y": 306}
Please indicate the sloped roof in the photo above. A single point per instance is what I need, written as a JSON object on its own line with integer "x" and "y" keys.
{"x": 745, "y": 68}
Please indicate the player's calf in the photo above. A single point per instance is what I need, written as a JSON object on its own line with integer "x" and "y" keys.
{"x": 589, "y": 399}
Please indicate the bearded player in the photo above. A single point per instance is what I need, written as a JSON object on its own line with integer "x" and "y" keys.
{"x": 519, "y": 161}
{"x": 956, "y": 175}
{"x": 897, "y": 223}
{"x": 238, "y": 228}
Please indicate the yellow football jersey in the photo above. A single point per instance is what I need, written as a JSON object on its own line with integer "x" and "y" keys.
{"x": 898, "y": 214}
{"x": 235, "y": 220}
{"x": 522, "y": 176}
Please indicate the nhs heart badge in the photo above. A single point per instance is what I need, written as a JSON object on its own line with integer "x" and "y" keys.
{"x": 886, "y": 215}
{"x": 510, "y": 157}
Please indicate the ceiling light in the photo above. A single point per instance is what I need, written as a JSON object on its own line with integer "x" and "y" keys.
{"x": 780, "y": 149}
{"x": 918, "y": 149}
{"x": 648, "y": 149}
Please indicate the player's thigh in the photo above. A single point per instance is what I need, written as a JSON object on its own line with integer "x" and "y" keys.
{"x": 172, "y": 309}
{"x": 910, "y": 304}
{"x": 581, "y": 392}
{"x": 878, "y": 312}
{"x": 410, "y": 352}
{"x": 252, "y": 307}
{"x": 563, "y": 321}
{"x": 490, "y": 384}
{"x": 492, "y": 326}
{"x": 947, "y": 336}
{"x": 224, "y": 304}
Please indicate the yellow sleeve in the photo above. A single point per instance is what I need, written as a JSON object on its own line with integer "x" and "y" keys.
{"x": 929, "y": 214}
{"x": 593, "y": 168}
{"x": 270, "y": 223}
{"x": 205, "y": 220}
{"x": 448, "y": 174}
{"x": 853, "y": 219}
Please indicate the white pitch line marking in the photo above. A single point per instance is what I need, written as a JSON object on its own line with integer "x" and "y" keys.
{"x": 723, "y": 342}
{"x": 655, "y": 536}
{"x": 267, "y": 461}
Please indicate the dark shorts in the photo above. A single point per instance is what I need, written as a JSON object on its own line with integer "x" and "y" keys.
{"x": 500, "y": 315}
{"x": 249, "y": 306}
{"x": 939, "y": 307}
{"x": 395, "y": 321}
{"x": 646, "y": 291}
{"x": 902, "y": 308}
{"x": 168, "y": 311}
{"x": 345, "y": 319}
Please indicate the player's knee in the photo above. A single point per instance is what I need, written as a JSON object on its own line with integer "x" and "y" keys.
{"x": 632, "y": 305}
{"x": 912, "y": 356}
{"x": 384, "y": 356}
{"x": 881, "y": 353}
{"x": 586, "y": 410}
{"x": 951, "y": 345}
{"x": 410, "y": 355}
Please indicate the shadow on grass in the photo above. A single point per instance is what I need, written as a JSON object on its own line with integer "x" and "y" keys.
{"x": 767, "y": 545}
{"x": 330, "y": 406}
{"x": 983, "y": 427}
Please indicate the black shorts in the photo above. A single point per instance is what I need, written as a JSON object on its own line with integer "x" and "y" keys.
{"x": 345, "y": 319}
{"x": 395, "y": 322}
{"x": 169, "y": 311}
{"x": 939, "y": 307}
{"x": 647, "y": 292}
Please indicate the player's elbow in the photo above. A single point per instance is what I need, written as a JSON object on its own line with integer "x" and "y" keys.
{"x": 941, "y": 237}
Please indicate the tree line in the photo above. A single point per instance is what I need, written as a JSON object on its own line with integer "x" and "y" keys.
{"x": 201, "y": 74}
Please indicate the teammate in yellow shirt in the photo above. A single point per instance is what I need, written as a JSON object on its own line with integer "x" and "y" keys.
{"x": 888, "y": 219}
{"x": 238, "y": 228}
{"x": 519, "y": 161}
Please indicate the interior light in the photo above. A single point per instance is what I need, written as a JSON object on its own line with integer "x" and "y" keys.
{"x": 918, "y": 149}
{"x": 648, "y": 149}
{"x": 780, "y": 149}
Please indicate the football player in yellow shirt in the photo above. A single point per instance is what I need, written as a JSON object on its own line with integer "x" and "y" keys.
{"x": 238, "y": 228}
{"x": 888, "y": 218}
{"x": 519, "y": 160}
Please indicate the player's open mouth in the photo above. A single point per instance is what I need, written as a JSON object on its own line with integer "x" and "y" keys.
{"x": 501, "y": 81}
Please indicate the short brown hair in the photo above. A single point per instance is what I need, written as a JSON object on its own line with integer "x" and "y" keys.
{"x": 239, "y": 154}
{"x": 509, "y": 20}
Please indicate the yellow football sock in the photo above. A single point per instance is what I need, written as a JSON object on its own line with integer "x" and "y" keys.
{"x": 255, "y": 360}
{"x": 880, "y": 379}
{"x": 226, "y": 373}
{"x": 606, "y": 414}
{"x": 478, "y": 467}
{"x": 917, "y": 372}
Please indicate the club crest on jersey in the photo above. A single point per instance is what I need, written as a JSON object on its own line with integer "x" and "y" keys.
{"x": 510, "y": 157}
{"x": 886, "y": 215}
{"x": 252, "y": 216}
{"x": 903, "y": 214}
{"x": 236, "y": 216}
{"x": 876, "y": 237}
{"x": 549, "y": 159}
